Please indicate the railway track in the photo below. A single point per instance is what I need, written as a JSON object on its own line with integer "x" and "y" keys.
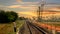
{"x": 30, "y": 28}
{"x": 42, "y": 30}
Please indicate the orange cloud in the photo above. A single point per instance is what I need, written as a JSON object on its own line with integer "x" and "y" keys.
{"x": 18, "y": 0}
{"x": 27, "y": 14}
{"x": 34, "y": 14}
{"x": 54, "y": 9}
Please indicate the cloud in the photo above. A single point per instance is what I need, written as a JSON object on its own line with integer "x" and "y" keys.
{"x": 26, "y": 3}
{"x": 31, "y": 7}
{"x": 2, "y": 6}
{"x": 14, "y": 6}
{"x": 54, "y": 9}
{"x": 18, "y": 0}
{"x": 22, "y": 2}
{"x": 27, "y": 13}
{"x": 22, "y": 6}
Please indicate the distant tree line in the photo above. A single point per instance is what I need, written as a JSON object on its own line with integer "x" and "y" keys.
{"x": 51, "y": 19}
{"x": 21, "y": 18}
{"x": 7, "y": 16}
{"x": 54, "y": 19}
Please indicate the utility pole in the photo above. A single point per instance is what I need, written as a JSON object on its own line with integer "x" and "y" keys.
{"x": 38, "y": 13}
{"x": 42, "y": 7}
{"x": 40, "y": 10}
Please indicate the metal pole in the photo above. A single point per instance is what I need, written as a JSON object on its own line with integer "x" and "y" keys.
{"x": 42, "y": 6}
{"x": 14, "y": 26}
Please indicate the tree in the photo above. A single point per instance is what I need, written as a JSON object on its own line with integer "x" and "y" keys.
{"x": 3, "y": 17}
{"x": 9, "y": 16}
{"x": 12, "y": 16}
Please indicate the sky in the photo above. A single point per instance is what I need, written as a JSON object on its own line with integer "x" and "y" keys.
{"x": 24, "y": 5}
{"x": 27, "y": 6}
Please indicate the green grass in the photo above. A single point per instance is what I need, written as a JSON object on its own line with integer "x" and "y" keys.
{"x": 19, "y": 23}
{"x": 8, "y": 28}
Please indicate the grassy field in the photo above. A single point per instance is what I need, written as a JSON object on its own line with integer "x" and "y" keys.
{"x": 52, "y": 23}
{"x": 8, "y": 28}
{"x": 19, "y": 23}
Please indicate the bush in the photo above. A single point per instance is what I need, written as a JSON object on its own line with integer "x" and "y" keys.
{"x": 21, "y": 18}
